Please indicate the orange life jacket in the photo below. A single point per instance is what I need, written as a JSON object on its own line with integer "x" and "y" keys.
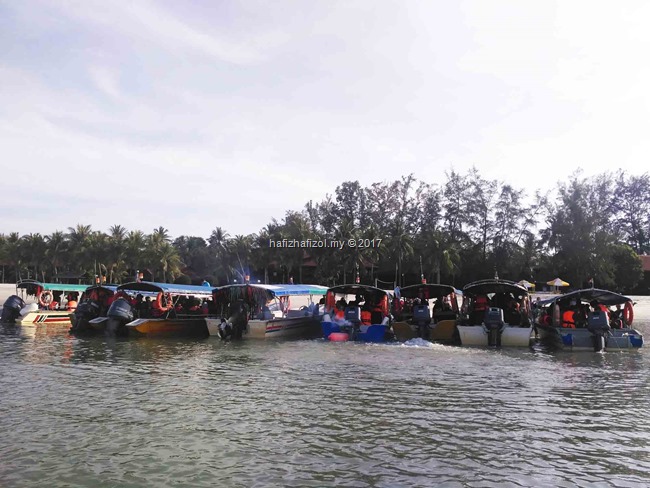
{"x": 567, "y": 319}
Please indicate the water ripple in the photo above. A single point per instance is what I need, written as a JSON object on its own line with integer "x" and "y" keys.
{"x": 80, "y": 412}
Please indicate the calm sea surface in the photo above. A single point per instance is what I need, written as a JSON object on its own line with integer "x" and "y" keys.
{"x": 103, "y": 413}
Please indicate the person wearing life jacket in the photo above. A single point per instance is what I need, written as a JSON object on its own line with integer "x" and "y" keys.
{"x": 568, "y": 319}
{"x": 481, "y": 304}
{"x": 599, "y": 307}
{"x": 339, "y": 311}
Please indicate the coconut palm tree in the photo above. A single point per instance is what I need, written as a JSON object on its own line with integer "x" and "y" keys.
{"x": 56, "y": 248}
{"x": 33, "y": 248}
{"x": 116, "y": 253}
{"x": 78, "y": 244}
{"x": 169, "y": 261}
{"x": 219, "y": 242}
{"x": 12, "y": 252}
{"x": 134, "y": 249}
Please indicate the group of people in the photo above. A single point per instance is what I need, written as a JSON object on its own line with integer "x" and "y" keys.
{"x": 403, "y": 307}
{"x": 576, "y": 315}
{"x": 57, "y": 301}
{"x": 511, "y": 305}
{"x": 367, "y": 308}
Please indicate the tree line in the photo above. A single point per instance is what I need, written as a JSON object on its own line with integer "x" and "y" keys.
{"x": 467, "y": 227}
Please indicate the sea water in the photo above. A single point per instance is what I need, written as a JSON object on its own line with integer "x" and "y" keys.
{"x": 130, "y": 413}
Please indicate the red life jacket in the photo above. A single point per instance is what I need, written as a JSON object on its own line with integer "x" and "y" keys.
{"x": 481, "y": 303}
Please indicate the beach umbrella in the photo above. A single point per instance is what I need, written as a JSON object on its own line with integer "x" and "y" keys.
{"x": 557, "y": 282}
{"x": 526, "y": 284}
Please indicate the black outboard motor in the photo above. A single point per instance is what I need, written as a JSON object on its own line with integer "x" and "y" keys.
{"x": 494, "y": 322}
{"x": 598, "y": 325}
{"x": 11, "y": 309}
{"x": 422, "y": 319}
{"x": 238, "y": 319}
{"x": 85, "y": 312}
{"x": 119, "y": 314}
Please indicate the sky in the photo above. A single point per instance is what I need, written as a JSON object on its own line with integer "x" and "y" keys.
{"x": 197, "y": 114}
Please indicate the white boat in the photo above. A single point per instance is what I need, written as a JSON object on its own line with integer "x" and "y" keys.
{"x": 53, "y": 303}
{"x": 496, "y": 313}
{"x": 584, "y": 320}
{"x": 257, "y": 311}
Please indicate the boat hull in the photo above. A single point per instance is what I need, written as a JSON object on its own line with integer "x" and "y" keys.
{"x": 443, "y": 331}
{"x": 167, "y": 327}
{"x": 583, "y": 339}
{"x": 282, "y": 328}
{"x": 47, "y": 317}
{"x": 478, "y": 335}
{"x": 364, "y": 333}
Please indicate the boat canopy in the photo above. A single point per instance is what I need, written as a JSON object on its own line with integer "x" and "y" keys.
{"x": 486, "y": 287}
{"x": 356, "y": 289}
{"x": 426, "y": 291}
{"x": 257, "y": 295}
{"x": 109, "y": 288}
{"x": 172, "y": 288}
{"x": 587, "y": 295}
{"x": 34, "y": 287}
{"x": 265, "y": 292}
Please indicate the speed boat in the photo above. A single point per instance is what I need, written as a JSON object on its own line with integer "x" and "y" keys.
{"x": 495, "y": 312}
{"x": 358, "y": 313}
{"x": 590, "y": 320}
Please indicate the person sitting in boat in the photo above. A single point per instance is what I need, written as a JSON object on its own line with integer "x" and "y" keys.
{"x": 599, "y": 307}
{"x": 266, "y": 313}
{"x": 545, "y": 317}
{"x": 616, "y": 317}
{"x": 481, "y": 304}
{"x": 339, "y": 313}
{"x": 512, "y": 313}
{"x": 568, "y": 317}
{"x": 358, "y": 300}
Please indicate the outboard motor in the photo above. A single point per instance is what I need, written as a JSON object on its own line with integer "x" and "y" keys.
{"x": 85, "y": 312}
{"x": 11, "y": 309}
{"x": 119, "y": 314}
{"x": 493, "y": 322}
{"x": 598, "y": 325}
{"x": 421, "y": 319}
{"x": 238, "y": 319}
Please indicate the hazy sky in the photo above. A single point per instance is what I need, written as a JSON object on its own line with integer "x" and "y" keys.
{"x": 192, "y": 115}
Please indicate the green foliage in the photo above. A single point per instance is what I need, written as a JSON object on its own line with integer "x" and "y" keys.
{"x": 461, "y": 228}
{"x": 183, "y": 279}
{"x": 628, "y": 269}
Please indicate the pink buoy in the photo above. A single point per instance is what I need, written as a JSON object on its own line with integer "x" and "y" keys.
{"x": 338, "y": 337}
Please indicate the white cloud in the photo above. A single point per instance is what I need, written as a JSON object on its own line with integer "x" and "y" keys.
{"x": 196, "y": 115}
